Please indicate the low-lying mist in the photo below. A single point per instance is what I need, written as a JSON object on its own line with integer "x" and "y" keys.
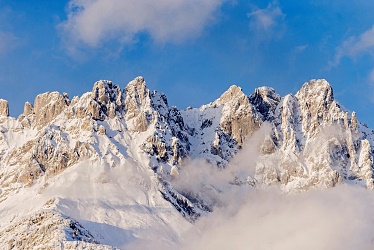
{"x": 201, "y": 178}
{"x": 338, "y": 218}
{"x": 245, "y": 217}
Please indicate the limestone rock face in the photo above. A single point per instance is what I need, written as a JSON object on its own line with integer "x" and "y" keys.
{"x": 102, "y": 130}
{"x": 4, "y": 108}
{"x": 265, "y": 100}
{"x": 28, "y": 109}
{"x": 238, "y": 117}
{"x": 365, "y": 164}
{"x": 48, "y": 155}
{"x": 27, "y": 119}
{"x": 315, "y": 135}
{"x": 289, "y": 119}
{"x": 48, "y": 229}
{"x": 47, "y": 106}
{"x": 316, "y": 100}
{"x": 106, "y": 100}
{"x": 170, "y": 140}
{"x": 138, "y": 111}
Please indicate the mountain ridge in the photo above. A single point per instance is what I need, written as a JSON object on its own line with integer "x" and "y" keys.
{"x": 306, "y": 141}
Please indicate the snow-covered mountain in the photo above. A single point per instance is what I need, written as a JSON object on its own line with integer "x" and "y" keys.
{"x": 115, "y": 166}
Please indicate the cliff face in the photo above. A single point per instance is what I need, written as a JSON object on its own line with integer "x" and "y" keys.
{"x": 318, "y": 142}
{"x": 4, "y": 108}
{"x": 309, "y": 141}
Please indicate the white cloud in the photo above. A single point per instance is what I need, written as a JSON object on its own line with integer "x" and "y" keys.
{"x": 338, "y": 218}
{"x": 265, "y": 20}
{"x": 355, "y": 46}
{"x": 95, "y": 22}
{"x": 371, "y": 76}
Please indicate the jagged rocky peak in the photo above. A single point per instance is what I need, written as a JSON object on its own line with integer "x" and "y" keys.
{"x": 4, "y": 107}
{"x": 354, "y": 122}
{"x": 47, "y": 106}
{"x": 28, "y": 109}
{"x": 317, "y": 92}
{"x": 105, "y": 91}
{"x": 137, "y": 93}
{"x": 27, "y": 118}
{"x": 47, "y": 228}
{"x": 108, "y": 100}
{"x": 234, "y": 92}
{"x": 265, "y": 100}
{"x": 159, "y": 102}
{"x": 267, "y": 94}
{"x": 138, "y": 84}
{"x": 239, "y": 119}
{"x": 317, "y": 105}
{"x": 138, "y": 109}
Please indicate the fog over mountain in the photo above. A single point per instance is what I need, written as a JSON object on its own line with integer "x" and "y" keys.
{"x": 119, "y": 168}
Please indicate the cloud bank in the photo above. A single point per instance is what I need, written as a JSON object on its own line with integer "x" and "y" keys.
{"x": 94, "y": 22}
{"x": 339, "y": 218}
{"x": 248, "y": 218}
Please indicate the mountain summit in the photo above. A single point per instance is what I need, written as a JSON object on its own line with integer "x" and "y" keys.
{"x": 107, "y": 168}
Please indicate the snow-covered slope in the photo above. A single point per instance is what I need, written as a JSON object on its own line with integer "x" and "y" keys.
{"x": 114, "y": 166}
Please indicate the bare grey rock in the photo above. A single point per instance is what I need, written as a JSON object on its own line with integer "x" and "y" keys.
{"x": 316, "y": 98}
{"x": 102, "y": 130}
{"x": 312, "y": 132}
{"x": 47, "y": 106}
{"x": 138, "y": 111}
{"x": 46, "y": 230}
{"x": 4, "y": 108}
{"x": 106, "y": 100}
{"x": 28, "y": 109}
{"x": 238, "y": 117}
{"x": 265, "y": 100}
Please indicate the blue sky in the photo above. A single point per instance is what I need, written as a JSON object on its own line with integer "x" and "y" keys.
{"x": 191, "y": 50}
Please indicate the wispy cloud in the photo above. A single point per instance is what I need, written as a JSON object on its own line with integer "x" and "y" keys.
{"x": 295, "y": 53}
{"x": 371, "y": 76}
{"x": 370, "y": 79}
{"x": 355, "y": 46}
{"x": 7, "y": 42}
{"x": 264, "y": 21}
{"x": 93, "y": 23}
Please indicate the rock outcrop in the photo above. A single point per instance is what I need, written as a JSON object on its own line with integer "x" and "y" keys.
{"x": 106, "y": 100}
{"x": 265, "y": 100}
{"x": 46, "y": 230}
{"x": 47, "y": 106}
{"x": 238, "y": 119}
{"x": 318, "y": 143}
{"x": 4, "y": 108}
